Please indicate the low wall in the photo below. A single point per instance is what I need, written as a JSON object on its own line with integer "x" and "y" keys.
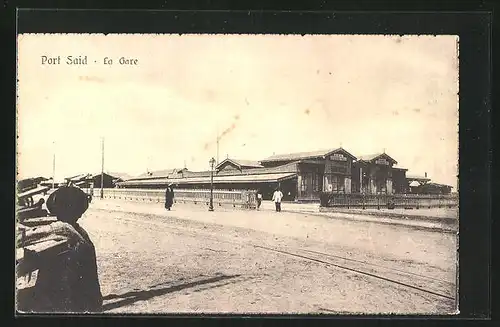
{"x": 237, "y": 198}
{"x": 405, "y": 201}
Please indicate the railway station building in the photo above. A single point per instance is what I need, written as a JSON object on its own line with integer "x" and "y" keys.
{"x": 376, "y": 174}
{"x": 302, "y": 176}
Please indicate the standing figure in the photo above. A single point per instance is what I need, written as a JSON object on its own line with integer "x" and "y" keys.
{"x": 169, "y": 197}
{"x": 277, "y": 196}
{"x": 69, "y": 282}
{"x": 259, "y": 199}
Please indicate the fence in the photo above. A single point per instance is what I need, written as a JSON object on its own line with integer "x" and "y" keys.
{"x": 406, "y": 201}
{"x": 238, "y": 198}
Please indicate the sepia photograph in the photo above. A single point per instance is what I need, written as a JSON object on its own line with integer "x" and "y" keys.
{"x": 237, "y": 174}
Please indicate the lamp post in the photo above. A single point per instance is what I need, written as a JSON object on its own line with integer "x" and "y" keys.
{"x": 212, "y": 162}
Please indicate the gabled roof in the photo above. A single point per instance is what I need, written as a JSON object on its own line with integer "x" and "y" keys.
{"x": 161, "y": 173}
{"x": 122, "y": 176}
{"x": 307, "y": 155}
{"x": 110, "y": 174}
{"x": 79, "y": 177}
{"x": 372, "y": 157}
{"x": 240, "y": 163}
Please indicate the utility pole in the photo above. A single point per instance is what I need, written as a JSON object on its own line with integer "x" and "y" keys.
{"x": 211, "y": 206}
{"x": 102, "y": 170}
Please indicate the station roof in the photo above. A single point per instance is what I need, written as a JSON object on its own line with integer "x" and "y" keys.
{"x": 260, "y": 178}
{"x": 307, "y": 155}
{"x": 372, "y": 157}
{"x": 160, "y": 173}
{"x": 241, "y": 163}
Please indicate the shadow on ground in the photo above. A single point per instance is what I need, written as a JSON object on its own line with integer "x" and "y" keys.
{"x": 129, "y": 298}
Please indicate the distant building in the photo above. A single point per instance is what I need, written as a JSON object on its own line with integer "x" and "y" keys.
{"x": 417, "y": 180}
{"x": 422, "y": 185}
{"x": 94, "y": 180}
{"x": 302, "y": 176}
{"x": 376, "y": 174}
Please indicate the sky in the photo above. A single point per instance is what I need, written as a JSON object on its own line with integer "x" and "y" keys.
{"x": 262, "y": 94}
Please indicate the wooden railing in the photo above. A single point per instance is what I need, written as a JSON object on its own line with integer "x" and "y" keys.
{"x": 408, "y": 201}
{"x": 237, "y": 198}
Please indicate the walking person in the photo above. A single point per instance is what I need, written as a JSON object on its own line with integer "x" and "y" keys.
{"x": 259, "y": 199}
{"x": 169, "y": 197}
{"x": 277, "y": 197}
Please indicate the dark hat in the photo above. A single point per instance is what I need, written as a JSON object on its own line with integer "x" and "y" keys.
{"x": 68, "y": 202}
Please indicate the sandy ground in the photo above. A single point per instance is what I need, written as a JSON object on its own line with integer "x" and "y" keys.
{"x": 229, "y": 261}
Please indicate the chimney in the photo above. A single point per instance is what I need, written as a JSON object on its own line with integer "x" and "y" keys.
{"x": 425, "y": 174}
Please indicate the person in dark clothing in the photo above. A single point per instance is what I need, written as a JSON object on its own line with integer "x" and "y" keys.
{"x": 69, "y": 282}
{"x": 259, "y": 199}
{"x": 169, "y": 197}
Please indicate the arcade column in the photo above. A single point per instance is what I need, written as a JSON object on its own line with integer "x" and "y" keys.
{"x": 389, "y": 185}
{"x": 299, "y": 185}
{"x": 347, "y": 184}
{"x": 372, "y": 188}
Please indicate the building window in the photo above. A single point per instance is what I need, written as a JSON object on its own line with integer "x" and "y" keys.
{"x": 303, "y": 184}
{"x": 334, "y": 183}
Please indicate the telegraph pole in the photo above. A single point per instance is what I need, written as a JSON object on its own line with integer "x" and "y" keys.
{"x": 102, "y": 170}
{"x": 211, "y": 206}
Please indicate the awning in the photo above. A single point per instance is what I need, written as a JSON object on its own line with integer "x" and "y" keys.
{"x": 260, "y": 178}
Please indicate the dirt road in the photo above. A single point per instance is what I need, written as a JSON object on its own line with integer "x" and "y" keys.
{"x": 193, "y": 261}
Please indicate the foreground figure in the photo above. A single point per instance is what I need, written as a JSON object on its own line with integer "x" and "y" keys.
{"x": 68, "y": 281}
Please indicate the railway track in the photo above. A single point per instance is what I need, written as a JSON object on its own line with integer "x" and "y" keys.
{"x": 402, "y": 278}
{"x": 397, "y": 277}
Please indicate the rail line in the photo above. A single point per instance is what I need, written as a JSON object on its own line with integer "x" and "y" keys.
{"x": 358, "y": 272}
{"x": 309, "y": 257}
{"x": 380, "y": 266}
